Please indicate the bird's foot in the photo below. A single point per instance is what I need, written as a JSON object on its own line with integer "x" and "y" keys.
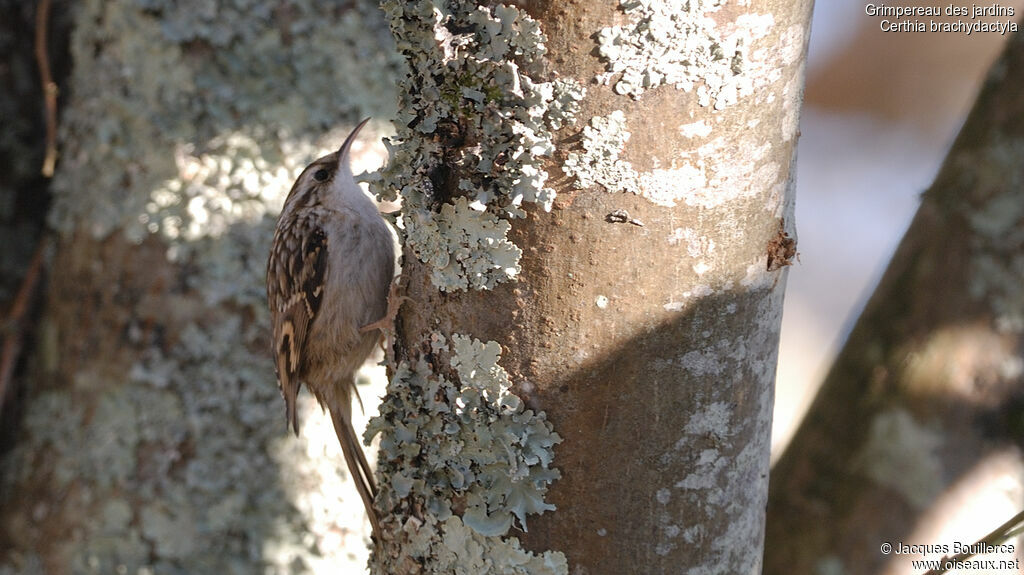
{"x": 395, "y": 301}
{"x": 386, "y": 324}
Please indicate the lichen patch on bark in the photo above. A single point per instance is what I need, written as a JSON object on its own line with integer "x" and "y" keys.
{"x": 463, "y": 461}
{"x": 475, "y": 122}
{"x": 684, "y": 45}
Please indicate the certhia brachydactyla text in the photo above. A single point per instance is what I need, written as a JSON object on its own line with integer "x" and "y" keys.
{"x": 328, "y": 278}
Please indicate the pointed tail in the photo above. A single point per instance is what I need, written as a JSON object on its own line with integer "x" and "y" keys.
{"x": 358, "y": 467}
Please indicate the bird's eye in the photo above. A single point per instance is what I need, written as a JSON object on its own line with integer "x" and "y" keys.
{"x": 321, "y": 175}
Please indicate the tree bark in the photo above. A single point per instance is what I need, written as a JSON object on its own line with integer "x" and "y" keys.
{"x": 923, "y": 403}
{"x": 639, "y": 319}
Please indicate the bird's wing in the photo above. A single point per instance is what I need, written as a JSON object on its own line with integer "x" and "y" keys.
{"x": 295, "y": 286}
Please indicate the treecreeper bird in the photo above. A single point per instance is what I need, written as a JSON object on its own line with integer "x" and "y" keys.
{"x": 328, "y": 278}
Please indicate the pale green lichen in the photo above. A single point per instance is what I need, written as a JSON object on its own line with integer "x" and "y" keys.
{"x": 463, "y": 551}
{"x": 465, "y": 461}
{"x": 681, "y": 44}
{"x": 464, "y": 246}
{"x": 475, "y": 122}
{"x": 599, "y": 164}
{"x": 695, "y": 179}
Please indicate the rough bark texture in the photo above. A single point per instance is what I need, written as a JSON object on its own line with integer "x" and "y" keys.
{"x": 925, "y": 399}
{"x": 154, "y": 438}
{"x": 643, "y": 319}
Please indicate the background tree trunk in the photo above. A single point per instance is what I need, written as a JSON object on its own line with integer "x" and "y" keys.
{"x": 153, "y": 437}
{"x": 915, "y": 434}
{"x": 640, "y": 313}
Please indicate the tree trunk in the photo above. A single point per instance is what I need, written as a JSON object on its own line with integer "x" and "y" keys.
{"x": 154, "y": 438}
{"x": 921, "y": 411}
{"x": 626, "y": 310}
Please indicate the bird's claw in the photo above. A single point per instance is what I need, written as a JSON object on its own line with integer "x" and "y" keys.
{"x": 387, "y": 323}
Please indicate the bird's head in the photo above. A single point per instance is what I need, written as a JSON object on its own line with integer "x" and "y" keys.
{"x": 328, "y": 181}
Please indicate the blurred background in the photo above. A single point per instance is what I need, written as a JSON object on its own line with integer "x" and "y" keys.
{"x": 880, "y": 111}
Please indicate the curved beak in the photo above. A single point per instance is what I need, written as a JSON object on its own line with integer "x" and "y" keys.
{"x": 343, "y": 151}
